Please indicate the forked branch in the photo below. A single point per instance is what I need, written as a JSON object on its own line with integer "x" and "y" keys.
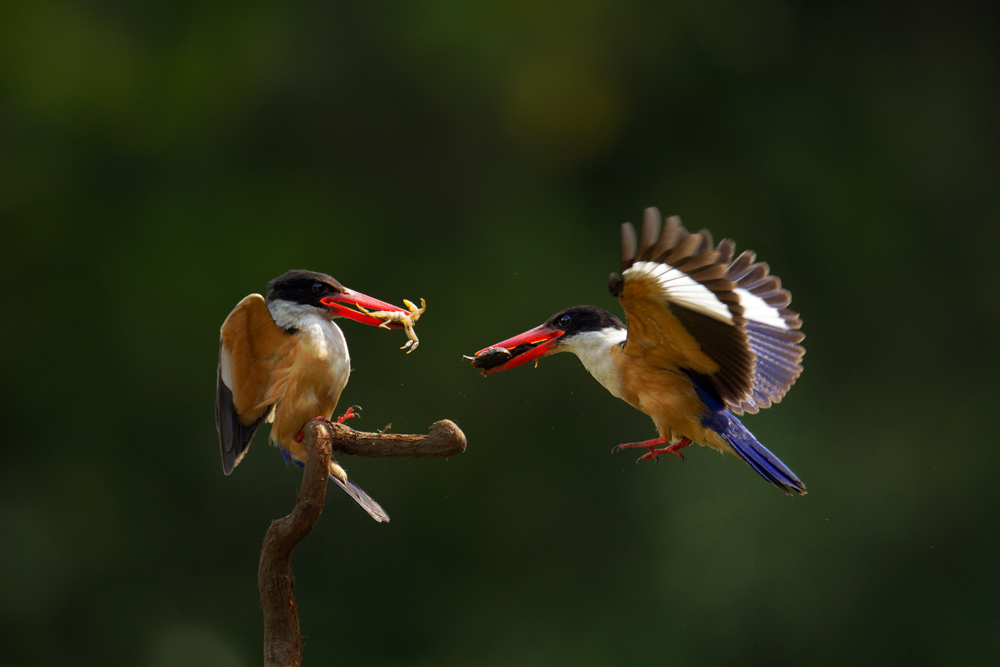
{"x": 282, "y": 641}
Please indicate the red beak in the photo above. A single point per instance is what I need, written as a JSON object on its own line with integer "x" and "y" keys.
{"x": 351, "y": 297}
{"x": 535, "y": 343}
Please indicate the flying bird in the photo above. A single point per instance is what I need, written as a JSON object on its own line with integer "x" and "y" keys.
{"x": 708, "y": 337}
{"x": 284, "y": 360}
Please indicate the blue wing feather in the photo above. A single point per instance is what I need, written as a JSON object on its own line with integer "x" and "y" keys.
{"x": 777, "y": 363}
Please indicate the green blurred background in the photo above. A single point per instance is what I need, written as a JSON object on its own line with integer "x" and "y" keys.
{"x": 161, "y": 160}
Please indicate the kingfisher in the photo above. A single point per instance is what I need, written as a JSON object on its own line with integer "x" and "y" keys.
{"x": 708, "y": 337}
{"x": 283, "y": 360}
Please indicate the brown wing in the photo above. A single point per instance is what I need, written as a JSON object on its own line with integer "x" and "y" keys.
{"x": 681, "y": 308}
{"x": 248, "y": 349}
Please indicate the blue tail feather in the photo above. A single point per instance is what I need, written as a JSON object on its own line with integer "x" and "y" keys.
{"x": 746, "y": 446}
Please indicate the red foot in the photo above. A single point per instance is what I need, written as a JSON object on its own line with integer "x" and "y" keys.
{"x": 302, "y": 432}
{"x": 672, "y": 449}
{"x": 351, "y": 412}
{"x": 654, "y": 452}
{"x": 646, "y": 444}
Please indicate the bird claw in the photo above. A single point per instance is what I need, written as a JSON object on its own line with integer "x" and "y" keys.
{"x": 654, "y": 455}
{"x": 654, "y": 452}
{"x": 405, "y": 319}
{"x": 350, "y": 412}
{"x": 302, "y": 432}
{"x": 674, "y": 449}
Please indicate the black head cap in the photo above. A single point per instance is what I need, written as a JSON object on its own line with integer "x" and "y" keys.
{"x": 303, "y": 287}
{"x": 580, "y": 319}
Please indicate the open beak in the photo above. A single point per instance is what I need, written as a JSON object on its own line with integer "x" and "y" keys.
{"x": 352, "y": 298}
{"x": 517, "y": 350}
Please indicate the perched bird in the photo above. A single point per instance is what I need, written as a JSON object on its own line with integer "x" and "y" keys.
{"x": 283, "y": 360}
{"x": 708, "y": 336}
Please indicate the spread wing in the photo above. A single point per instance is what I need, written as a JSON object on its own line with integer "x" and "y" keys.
{"x": 681, "y": 307}
{"x": 248, "y": 349}
{"x": 772, "y": 328}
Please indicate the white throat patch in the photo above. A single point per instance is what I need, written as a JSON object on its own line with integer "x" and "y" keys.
{"x": 594, "y": 350}
{"x": 321, "y": 333}
{"x": 290, "y": 315}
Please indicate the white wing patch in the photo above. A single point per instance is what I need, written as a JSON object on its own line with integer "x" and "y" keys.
{"x": 683, "y": 290}
{"x": 226, "y": 367}
{"x": 758, "y": 310}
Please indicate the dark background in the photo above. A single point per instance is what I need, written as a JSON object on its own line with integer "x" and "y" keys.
{"x": 161, "y": 160}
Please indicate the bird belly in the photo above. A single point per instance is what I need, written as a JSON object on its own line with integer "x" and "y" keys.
{"x": 309, "y": 383}
{"x": 668, "y": 396}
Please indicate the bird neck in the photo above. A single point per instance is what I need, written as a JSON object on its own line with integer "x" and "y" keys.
{"x": 318, "y": 335}
{"x": 292, "y": 316}
{"x": 594, "y": 350}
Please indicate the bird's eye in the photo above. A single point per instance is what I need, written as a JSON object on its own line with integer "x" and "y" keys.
{"x": 564, "y": 321}
{"x": 319, "y": 288}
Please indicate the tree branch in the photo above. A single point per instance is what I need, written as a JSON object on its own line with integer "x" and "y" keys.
{"x": 282, "y": 641}
{"x": 443, "y": 439}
